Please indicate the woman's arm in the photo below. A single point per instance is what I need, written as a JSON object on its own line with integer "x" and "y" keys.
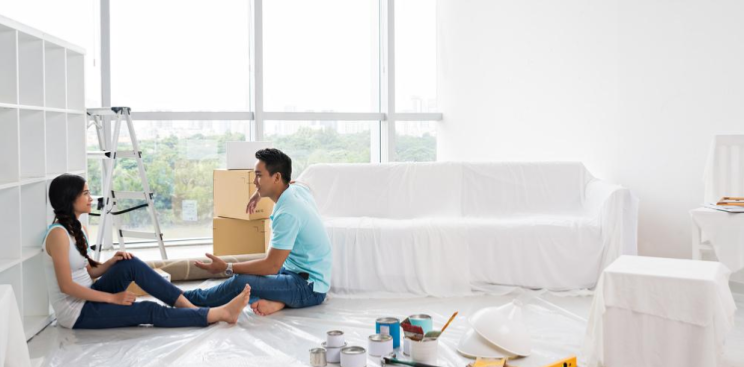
{"x": 104, "y": 267}
{"x": 58, "y": 247}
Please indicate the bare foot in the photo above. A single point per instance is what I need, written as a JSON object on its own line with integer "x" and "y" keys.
{"x": 231, "y": 311}
{"x": 265, "y": 307}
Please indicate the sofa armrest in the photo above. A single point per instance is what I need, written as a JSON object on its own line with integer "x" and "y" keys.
{"x": 616, "y": 210}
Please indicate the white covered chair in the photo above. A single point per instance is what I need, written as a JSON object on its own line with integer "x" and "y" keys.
{"x": 713, "y": 230}
{"x": 442, "y": 228}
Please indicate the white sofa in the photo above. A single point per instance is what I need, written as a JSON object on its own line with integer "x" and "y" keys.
{"x": 446, "y": 228}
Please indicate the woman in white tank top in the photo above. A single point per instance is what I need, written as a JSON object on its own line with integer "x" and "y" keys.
{"x": 80, "y": 303}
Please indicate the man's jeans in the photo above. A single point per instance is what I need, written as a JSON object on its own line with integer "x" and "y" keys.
{"x": 286, "y": 287}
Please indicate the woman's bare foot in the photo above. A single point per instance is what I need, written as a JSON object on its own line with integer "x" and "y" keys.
{"x": 231, "y": 311}
{"x": 265, "y": 307}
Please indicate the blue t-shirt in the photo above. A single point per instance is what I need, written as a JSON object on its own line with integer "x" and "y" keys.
{"x": 296, "y": 226}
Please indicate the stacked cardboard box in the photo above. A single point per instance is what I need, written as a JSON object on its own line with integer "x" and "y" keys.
{"x": 139, "y": 292}
{"x": 236, "y": 232}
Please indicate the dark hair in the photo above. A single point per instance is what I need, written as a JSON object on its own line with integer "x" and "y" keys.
{"x": 63, "y": 192}
{"x": 276, "y": 161}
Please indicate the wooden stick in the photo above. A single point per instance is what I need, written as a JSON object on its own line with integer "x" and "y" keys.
{"x": 450, "y": 320}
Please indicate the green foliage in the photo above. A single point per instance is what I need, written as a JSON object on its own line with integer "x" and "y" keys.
{"x": 175, "y": 176}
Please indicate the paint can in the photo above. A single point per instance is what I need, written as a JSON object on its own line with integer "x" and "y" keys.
{"x": 380, "y": 345}
{"x": 425, "y": 351}
{"x": 318, "y": 357}
{"x": 333, "y": 354}
{"x": 353, "y": 357}
{"x": 389, "y": 326}
{"x": 422, "y": 320}
{"x": 335, "y": 338}
{"x": 407, "y": 346}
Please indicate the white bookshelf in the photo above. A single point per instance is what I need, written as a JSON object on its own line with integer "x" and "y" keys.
{"x": 42, "y": 135}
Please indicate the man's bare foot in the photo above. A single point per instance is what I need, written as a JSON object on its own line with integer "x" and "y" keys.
{"x": 265, "y": 307}
{"x": 232, "y": 310}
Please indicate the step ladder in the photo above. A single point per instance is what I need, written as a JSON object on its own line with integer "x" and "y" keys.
{"x": 107, "y": 203}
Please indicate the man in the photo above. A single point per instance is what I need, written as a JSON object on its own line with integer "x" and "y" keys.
{"x": 297, "y": 269}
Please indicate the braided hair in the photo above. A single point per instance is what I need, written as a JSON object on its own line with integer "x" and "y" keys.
{"x": 64, "y": 190}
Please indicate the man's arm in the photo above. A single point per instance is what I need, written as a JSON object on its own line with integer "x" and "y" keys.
{"x": 269, "y": 265}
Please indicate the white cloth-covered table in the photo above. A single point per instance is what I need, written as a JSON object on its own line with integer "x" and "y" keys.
{"x": 725, "y": 233}
{"x": 659, "y": 312}
{"x": 13, "y": 349}
{"x": 444, "y": 228}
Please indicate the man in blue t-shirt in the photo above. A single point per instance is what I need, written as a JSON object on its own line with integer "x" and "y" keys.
{"x": 297, "y": 269}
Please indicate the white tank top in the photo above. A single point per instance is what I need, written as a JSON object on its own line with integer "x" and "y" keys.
{"x": 66, "y": 307}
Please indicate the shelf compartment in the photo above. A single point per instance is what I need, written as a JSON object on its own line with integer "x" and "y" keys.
{"x": 56, "y": 143}
{"x": 8, "y": 66}
{"x": 10, "y": 224}
{"x": 55, "y": 75}
{"x": 33, "y": 215}
{"x": 30, "y": 70}
{"x": 32, "y": 144}
{"x": 76, "y": 158}
{"x": 9, "y": 145}
{"x": 75, "y": 81}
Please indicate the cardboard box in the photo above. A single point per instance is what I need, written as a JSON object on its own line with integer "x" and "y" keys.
{"x": 134, "y": 288}
{"x": 239, "y": 237}
{"x": 242, "y": 154}
{"x": 232, "y": 190}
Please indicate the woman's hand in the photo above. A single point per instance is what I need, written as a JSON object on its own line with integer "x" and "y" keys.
{"x": 124, "y": 298}
{"x": 121, "y": 255}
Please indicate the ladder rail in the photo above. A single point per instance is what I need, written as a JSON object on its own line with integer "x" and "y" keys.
{"x": 109, "y": 155}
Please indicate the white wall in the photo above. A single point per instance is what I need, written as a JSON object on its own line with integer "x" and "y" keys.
{"x": 634, "y": 89}
{"x": 74, "y": 21}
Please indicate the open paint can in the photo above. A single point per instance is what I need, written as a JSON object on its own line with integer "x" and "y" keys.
{"x": 333, "y": 354}
{"x": 380, "y": 345}
{"x": 318, "y": 357}
{"x": 389, "y": 326}
{"x": 353, "y": 357}
{"x": 422, "y": 320}
{"x": 335, "y": 338}
{"x": 425, "y": 351}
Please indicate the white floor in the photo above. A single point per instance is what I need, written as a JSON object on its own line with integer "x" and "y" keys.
{"x": 556, "y": 324}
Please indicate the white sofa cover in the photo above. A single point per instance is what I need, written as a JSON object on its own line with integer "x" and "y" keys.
{"x": 443, "y": 228}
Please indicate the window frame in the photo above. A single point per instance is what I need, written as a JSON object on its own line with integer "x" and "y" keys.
{"x": 382, "y": 141}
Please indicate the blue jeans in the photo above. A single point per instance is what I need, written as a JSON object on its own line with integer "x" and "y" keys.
{"x": 99, "y": 315}
{"x": 285, "y": 287}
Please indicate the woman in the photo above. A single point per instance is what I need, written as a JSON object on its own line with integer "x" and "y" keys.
{"x": 79, "y": 303}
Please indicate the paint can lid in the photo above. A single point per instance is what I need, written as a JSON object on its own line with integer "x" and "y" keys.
{"x": 387, "y": 320}
{"x": 353, "y": 350}
{"x": 380, "y": 338}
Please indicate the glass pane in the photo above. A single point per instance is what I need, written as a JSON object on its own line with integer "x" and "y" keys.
{"x": 179, "y": 158}
{"x": 180, "y": 55}
{"x": 415, "y": 56}
{"x": 415, "y": 141}
{"x": 321, "y": 55}
{"x": 308, "y": 142}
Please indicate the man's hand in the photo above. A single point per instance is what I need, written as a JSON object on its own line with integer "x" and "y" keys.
{"x": 124, "y": 298}
{"x": 251, "y": 207}
{"x": 120, "y": 255}
{"x": 215, "y": 267}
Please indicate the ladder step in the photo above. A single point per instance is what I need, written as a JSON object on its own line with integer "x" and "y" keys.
{"x": 104, "y": 111}
{"x": 137, "y": 195}
{"x": 104, "y": 154}
{"x": 136, "y": 234}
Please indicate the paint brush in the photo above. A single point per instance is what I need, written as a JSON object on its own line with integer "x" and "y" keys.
{"x": 435, "y": 334}
{"x": 387, "y": 360}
